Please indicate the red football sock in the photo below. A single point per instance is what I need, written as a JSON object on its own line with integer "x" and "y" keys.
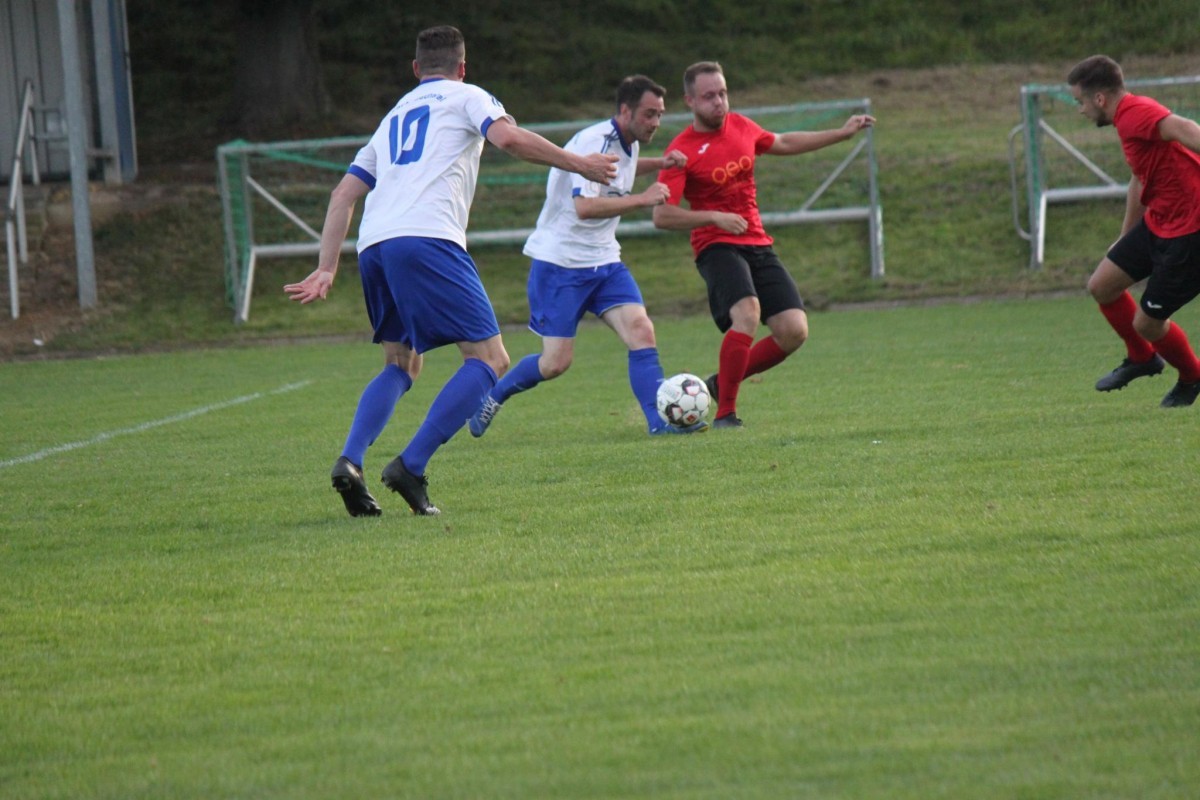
{"x": 1175, "y": 348}
{"x": 1119, "y": 314}
{"x": 731, "y": 368}
{"x": 765, "y": 354}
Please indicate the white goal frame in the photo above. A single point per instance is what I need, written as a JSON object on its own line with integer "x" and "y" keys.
{"x": 239, "y": 190}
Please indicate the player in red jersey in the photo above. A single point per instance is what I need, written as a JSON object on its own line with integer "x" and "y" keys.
{"x": 747, "y": 283}
{"x": 1160, "y": 235}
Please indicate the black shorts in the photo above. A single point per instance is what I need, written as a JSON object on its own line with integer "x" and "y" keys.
{"x": 734, "y": 272}
{"x": 1170, "y": 267}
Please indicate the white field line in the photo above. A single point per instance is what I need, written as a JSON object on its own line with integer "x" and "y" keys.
{"x": 145, "y": 426}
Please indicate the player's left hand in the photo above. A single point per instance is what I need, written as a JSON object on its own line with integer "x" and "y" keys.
{"x": 674, "y": 159}
{"x": 600, "y": 168}
{"x": 314, "y": 287}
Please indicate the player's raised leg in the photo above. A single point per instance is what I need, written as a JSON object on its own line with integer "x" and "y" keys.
{"x": 1173, "y": 347}
{"x": 789, "y": 331}
{"x": 556, "y": 356}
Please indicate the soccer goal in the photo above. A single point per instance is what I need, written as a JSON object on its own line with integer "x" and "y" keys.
{"x": 274, "y": 194}
{"x": 1067, "y": 159}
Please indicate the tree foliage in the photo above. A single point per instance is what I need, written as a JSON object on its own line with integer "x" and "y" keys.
{"x": 546, "y": 59}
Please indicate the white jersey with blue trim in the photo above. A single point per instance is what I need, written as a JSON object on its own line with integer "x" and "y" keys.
{"x": 422, "y": 163}
{"x": 561, "y": 237}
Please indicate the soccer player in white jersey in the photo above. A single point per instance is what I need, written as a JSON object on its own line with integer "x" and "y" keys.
{"x": 577, "y": 265}
{"x": 422, "y": 290}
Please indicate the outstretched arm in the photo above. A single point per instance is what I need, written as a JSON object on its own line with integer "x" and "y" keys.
{"x": 333, "y": 233}
{"x": 675, "y": 218}
{"x": 605, "y": 207}
{"x": 672, "y": 160}
{"x": 536, "y": 149}
{"x": 796, "y": 142}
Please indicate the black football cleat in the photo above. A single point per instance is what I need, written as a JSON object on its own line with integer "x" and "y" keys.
{"x": 413, "y": 488}
{"x": 727, "y": 421}
{"x": 348, "y": 480}
{"x": 1128, "y": 371}
{"x": 711, "y": 384}
{"x": 1182, "y": 394}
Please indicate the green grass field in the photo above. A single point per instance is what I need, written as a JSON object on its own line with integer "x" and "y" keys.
{"x": 936, "y": 564}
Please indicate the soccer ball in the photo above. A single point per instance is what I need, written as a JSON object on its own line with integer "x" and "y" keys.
{"x": 683, "y": 400}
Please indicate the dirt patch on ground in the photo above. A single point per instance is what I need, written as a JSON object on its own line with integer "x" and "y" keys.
{"x": 48, "y": 283}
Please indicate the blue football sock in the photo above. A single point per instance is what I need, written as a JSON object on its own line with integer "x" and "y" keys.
{"x": 455, "y": 403}
{"x": 645, "y": 374}
{"x": 375, "y": 409}
{"x": 525, "y": 375}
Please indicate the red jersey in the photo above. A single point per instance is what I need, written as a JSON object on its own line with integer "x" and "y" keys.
{"x": 719, "y": 176}
{"x": 1168, "y": 171}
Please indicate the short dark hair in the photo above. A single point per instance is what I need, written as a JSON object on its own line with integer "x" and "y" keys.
{"x": 699, "y": 68}
{"x": 440, "y": 50}
{"x": 1097, "y": 74}
{"x": 631, "y": 90}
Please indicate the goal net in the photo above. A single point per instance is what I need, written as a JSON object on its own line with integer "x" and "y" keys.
{"x": 1058, "y": 156}
{"x": 274, "y": 194}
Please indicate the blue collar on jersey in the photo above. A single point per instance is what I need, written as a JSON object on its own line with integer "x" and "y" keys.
{"x": 621, "y": 138}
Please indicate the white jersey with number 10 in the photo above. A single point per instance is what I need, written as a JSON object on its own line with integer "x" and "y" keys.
{"x": 422, "y": 163}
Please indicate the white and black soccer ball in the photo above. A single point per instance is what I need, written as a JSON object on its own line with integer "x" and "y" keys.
{"x": 683, "y": 400}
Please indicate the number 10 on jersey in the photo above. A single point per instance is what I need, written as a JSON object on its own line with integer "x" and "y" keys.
{"x": 407, "y": 143}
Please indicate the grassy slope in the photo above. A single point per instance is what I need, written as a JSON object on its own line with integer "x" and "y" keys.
{"x": 941, "y": 143}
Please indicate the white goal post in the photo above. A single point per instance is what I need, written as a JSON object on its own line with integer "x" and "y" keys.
{"x": 273, "y": 194}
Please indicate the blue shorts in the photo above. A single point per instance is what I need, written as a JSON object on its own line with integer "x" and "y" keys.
{"x": 560, "y": 296}
{"x": 424, "y": 293}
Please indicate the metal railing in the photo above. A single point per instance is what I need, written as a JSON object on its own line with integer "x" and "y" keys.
{"x": 15, "y": 234}
{"x": 1037, "y": 136}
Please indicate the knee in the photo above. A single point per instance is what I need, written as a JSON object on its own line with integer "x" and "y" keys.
{"x": 1100, "y": 292}
{"x": 790, "y": 330}
{"x": 791, "y": 340}
{"x": 1107, "y": 283}
{"x": 554, "y": 365}
{"x": 792, "y": 334}
{"x": 641, "y": 334}
{"x": 496, "y": 358}
{"x": 405, "y": 359}
{"x": 745, "y": 315}
{"x": 1149, "y": 328}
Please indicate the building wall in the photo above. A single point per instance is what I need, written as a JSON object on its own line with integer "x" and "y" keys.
{"x": 31, "y": 50}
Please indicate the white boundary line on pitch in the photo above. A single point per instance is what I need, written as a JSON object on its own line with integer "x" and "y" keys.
{"x": 145, "y": 426}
